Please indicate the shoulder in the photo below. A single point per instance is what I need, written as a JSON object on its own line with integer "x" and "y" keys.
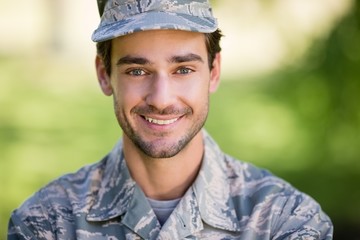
{"x": 60, "y": 200}
{"x": 243, "y": 176}
{"x": 286, "y": 210}
{"x": 72, "y": 186}
{"x": 248, "y": 181}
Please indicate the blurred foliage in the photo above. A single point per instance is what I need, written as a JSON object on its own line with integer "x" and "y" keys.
{"x": 49, "y": 126}
{"x": 302, "y": 123}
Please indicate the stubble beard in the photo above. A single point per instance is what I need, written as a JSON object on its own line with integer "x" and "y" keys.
{"x": 154, "y": 149}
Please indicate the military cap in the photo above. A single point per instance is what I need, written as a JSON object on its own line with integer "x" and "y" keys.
{"x": 122, "y": 17}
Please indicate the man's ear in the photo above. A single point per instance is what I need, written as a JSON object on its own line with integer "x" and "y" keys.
{"x": 215, "y": 73}
{"x": 103, "y": 77}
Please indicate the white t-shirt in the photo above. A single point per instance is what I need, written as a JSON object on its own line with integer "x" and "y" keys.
{"x": 163, "y": 209}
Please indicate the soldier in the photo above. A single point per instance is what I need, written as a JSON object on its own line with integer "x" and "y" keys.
{"x": 166, "y": 178}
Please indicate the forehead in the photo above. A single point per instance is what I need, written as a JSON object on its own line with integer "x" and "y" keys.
{"x": 159, "y": 42}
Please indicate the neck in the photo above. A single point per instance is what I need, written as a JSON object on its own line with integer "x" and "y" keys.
{"x": 167, "y": 178}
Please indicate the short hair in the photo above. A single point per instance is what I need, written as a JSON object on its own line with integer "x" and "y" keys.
{"x": 212, "y": 42}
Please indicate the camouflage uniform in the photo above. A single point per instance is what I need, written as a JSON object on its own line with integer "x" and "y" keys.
{"x": 229, "y": 199}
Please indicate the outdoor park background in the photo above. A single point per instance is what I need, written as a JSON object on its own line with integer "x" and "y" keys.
{"x": 288, "y": 102}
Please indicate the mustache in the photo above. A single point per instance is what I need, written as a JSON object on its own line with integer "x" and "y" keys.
{"x": 170, "y": 110}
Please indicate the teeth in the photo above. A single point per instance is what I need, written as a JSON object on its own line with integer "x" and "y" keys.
{"x": 161, "y": 122}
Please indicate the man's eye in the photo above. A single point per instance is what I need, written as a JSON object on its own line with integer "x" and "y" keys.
{"x": 184, "y": 70}
{"x": 136, "y": 72}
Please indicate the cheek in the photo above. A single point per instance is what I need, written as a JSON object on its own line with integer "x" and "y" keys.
{"x": 197, "y": 93}
{"x": 198, "y": 86}
{"x": 126, "y": 97}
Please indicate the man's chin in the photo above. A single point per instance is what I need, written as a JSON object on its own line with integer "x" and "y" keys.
{"x": 160, "y": 152}
{"x": 160, "y": 148}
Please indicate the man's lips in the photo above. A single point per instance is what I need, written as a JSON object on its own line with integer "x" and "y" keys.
{"x": 161, "y": 121}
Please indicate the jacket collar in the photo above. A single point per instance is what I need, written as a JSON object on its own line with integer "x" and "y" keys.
{"x": 116, "y": 191}
{"x": 212, "y": 189}
{"x": 210, "y": 194}
{"x": 207, "y": 201}
{"x": 120, "y": 196}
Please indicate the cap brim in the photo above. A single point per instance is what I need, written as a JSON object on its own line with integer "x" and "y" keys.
{"x": 153, "y": 21}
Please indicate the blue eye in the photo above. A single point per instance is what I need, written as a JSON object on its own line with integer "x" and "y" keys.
{"x": 184, "y": 71}
{"x": 137, "y": 72}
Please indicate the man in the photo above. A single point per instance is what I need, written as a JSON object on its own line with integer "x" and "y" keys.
{"x": 166, "y": 178}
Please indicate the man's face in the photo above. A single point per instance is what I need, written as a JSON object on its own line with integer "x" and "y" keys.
{"x": 160, "y": 83}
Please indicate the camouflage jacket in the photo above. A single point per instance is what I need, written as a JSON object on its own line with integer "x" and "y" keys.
{"x": 229, "y": 199}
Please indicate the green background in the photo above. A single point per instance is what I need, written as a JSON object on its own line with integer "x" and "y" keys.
{"x": 301, "y": 122}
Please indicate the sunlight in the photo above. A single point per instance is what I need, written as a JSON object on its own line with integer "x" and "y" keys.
{"x": 263, "y": 36}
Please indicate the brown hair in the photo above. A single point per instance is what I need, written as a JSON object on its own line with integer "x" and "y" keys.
{"x": 212, "y": 46}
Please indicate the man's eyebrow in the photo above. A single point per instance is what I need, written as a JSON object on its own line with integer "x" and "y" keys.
{"x": 186, "y": 58}
{"x": 132, "y": 60}
{"x": 175, "y": 59}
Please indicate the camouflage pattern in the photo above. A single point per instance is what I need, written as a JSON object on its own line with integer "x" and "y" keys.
{"x": 229, "y": 199}
{"x": 121, "y": 17}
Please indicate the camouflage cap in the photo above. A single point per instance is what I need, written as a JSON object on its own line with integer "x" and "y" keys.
{"x": 121, "y": 17}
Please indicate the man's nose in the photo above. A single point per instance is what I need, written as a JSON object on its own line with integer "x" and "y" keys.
{"x": 161, "y": 92}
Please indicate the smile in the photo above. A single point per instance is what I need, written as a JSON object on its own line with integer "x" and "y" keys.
{"x": 161, "y": 122}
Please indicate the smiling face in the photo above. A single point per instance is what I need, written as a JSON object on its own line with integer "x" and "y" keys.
{"x": 160, "y": 83}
